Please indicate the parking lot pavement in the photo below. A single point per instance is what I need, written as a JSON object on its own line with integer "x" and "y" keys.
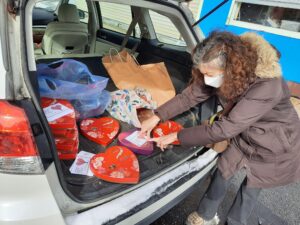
{"x": 279, "y": 205}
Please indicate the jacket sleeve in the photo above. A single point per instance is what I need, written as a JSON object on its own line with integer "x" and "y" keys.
{"x": 191, "y": 96}
{"x": 257, "y": 102}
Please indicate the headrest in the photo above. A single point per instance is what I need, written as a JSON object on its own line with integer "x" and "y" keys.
{"x": 68, "y": 13}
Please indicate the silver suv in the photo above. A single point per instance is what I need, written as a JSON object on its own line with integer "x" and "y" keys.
{"x": 36, "y": 187}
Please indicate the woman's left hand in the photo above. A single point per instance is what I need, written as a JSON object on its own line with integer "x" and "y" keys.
{"x": 164, "y": 141}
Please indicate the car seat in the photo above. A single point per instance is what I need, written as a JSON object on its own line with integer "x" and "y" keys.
{"x": 67, "y": 35}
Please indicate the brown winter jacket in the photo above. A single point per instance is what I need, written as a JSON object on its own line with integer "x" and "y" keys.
{"x": 263, "y": 126}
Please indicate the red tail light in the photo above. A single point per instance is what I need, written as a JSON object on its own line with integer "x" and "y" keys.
{"x": 18, "y": 152}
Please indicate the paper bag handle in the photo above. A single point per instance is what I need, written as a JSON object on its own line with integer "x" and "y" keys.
{"x": 110, "y": 54}
{"x": 121, "y": 59}
{"x": 134, "y": 59}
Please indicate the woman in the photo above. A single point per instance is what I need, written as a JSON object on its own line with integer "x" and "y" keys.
{"x": 262, "y": 125}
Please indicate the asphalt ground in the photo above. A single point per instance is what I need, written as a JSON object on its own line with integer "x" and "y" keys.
{"x": 277, "y": 206}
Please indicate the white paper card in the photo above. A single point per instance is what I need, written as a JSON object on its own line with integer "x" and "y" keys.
{"x": 81, "y": 165}
{"x": 135, "y": 139}
{"x": 56, "y": 111}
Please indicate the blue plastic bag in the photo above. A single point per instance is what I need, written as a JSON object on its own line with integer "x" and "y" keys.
{"x": 68, "y": 79}
{"x": 72, "y": 80}
{"x": 92, "y": 105}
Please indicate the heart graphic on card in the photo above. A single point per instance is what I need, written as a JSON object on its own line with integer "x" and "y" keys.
{"x": 118, "y": 165}
{"x": 102, "y": 130}
{"x": 166, "y": 128}
{"x": 131, "y": 140}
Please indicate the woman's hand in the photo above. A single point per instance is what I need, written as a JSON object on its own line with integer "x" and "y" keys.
{"x": 164, "y": 141}
{"x": 148, "y": 125}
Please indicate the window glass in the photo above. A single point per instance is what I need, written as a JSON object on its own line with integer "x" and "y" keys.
{"x": 82, "y": 9}
{"x": 49, "y": 5}
{"x": 44, "y": 12}
{"x": 117, "y": 17}
{"x": 270, "y": 16}
{"x": 165, "y": 30}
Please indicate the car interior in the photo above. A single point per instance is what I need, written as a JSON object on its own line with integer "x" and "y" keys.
{"x": 85, "y": 31}
{"x": 67, "y": 35}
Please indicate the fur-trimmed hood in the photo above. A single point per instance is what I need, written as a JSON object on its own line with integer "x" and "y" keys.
{"x": 267, "y": 63}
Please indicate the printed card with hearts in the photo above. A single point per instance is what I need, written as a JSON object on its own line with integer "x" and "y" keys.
{"x": 59, "y": 113}
{"x": 81, "y": 164}
{"x": 118, "y": 165}
{"x": 100, "y": 130}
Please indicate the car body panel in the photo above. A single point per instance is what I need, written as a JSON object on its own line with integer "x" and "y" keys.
{"x": 27, "y": 199}
{"x": 2, "y": 75}
{"x": 202, "y": 165}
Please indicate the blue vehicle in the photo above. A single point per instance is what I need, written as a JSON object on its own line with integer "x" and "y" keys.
{"x": 278, "y": 21}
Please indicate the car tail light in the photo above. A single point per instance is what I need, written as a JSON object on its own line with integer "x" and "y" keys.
{"x": 18, "y": 151}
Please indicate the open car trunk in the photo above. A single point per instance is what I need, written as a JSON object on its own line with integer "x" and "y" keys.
{"x": 179, "y": 64}
{"x": 89, "y": 189}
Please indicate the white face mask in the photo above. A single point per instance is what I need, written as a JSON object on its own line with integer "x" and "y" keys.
{"x": 215, "y": 81}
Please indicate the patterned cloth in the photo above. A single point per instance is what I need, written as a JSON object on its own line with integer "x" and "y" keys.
{"x": 125, "y": 103}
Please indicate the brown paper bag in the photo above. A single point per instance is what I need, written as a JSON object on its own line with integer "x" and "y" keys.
{"x": 294, "y": 89}
{"x": 128, "y": 74}
{"x": 295, "y": 93}
{"x": 219, "y": 146}
{"x": 296, "y": 104}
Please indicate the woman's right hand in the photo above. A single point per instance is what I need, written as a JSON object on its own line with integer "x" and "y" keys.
{"x": 148, "y": 125}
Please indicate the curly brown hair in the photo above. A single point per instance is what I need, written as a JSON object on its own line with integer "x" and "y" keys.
{"x": 236, "y": 57}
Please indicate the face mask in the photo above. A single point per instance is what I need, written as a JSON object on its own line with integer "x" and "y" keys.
{"x": 215, "y": 81}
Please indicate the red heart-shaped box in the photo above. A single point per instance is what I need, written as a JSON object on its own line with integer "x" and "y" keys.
{"x": 66, "y": 155}
{"x": 145, "y": 149}
{"x": 63, "y": 128}
{"x": 166, "y": 128}
{"x": 65, "y": 133}
{"x": 118, "y": 165}
{"x": 66, "y": 144}
{"x": 66, "y": 149}
{"x": 65, "y": 122}
{"x": 102, "y": 130}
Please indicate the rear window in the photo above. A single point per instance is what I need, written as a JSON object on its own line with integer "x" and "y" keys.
{"x": 117, "y": 17}
{"x": 166, "y": 31}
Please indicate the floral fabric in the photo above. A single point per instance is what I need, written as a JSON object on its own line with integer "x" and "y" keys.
{"x": 125, "y": 103}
